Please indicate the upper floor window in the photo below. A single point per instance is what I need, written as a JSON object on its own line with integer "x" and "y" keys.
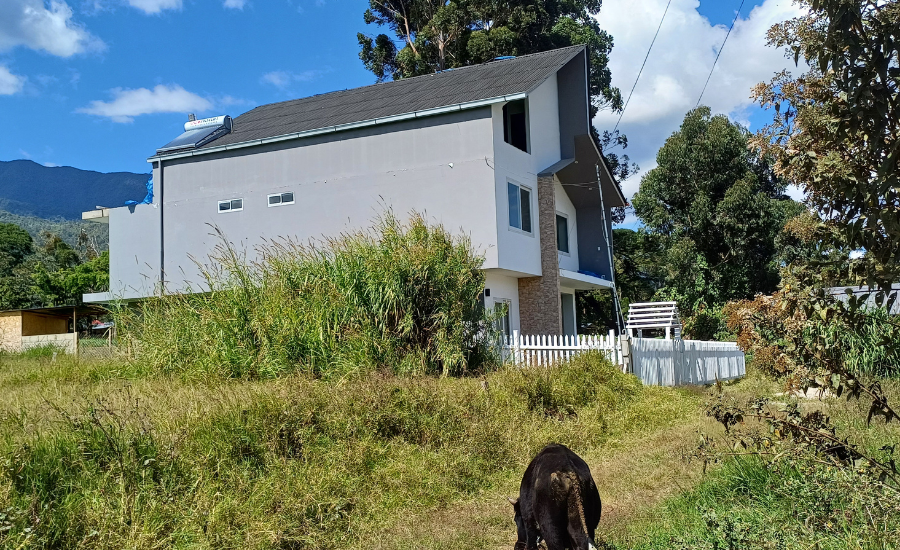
{"x": 279, "y": 199}
{"x": 515, "y": 124}
{"x": 519, "y": 207}
{"x": 231, "y": 206}
{"x": 562, "y": 233}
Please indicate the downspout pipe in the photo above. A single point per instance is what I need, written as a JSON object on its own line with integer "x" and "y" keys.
{"x": 162, "y": 233}
{"x": 609, "y": 251}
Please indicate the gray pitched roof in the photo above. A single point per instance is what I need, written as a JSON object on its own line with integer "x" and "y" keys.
{"x": 453, "y": 87}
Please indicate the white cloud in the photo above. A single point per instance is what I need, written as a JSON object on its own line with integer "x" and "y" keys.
{"x": 279, "y": 79}
{"x": 235, "y": 4}
{"x": 152, "y": 7}
{"x": 51, "y": 164}
{"x": 10, "y": 83}
{"x": 127, "y": 104}
{"x": 45, "y": 27}
{"x": 283, "y": 79}
{"x": 679, "y": 65}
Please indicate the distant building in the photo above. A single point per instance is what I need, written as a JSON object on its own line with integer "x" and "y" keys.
{"x": 841, "y": 294}
{"x": 501, "y": 151}
{"x": 21, "y": 329}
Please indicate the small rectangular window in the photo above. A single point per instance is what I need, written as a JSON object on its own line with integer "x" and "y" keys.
{"x": 515, "y": 124}
{"x": 519, "y": 207}
{"x": 232, "y": 205}
{"x": 279, "y": 199}
{"x": 562, "y": 234}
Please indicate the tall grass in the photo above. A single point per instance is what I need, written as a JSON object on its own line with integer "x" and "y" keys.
{"x": 402, "y": 296}
{"x": 872, "y": 348}
{"x": 297, "y": 462}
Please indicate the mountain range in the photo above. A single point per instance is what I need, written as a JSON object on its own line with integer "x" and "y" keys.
{"x": 30, "y": 189}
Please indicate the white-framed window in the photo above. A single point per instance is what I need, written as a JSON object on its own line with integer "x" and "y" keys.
{"x": 233, "y": 205}
{"x": 519, "y": 206}
{"x": 280, "y": 199}
{"x": 562, "y": 233}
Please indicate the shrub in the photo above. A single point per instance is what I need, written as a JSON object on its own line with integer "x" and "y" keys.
{"x": 402, "y": 296}
{"x": 707, "y": 323}
{"x": 771, "y": 331}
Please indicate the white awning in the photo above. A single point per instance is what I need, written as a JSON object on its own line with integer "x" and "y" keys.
{"x": 581, "y": 281}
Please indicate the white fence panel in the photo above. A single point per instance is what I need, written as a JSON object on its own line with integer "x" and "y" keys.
{"x": 680, "y": 362}
{"x": 545, "y": 350}
{"x": 654, "y": 361}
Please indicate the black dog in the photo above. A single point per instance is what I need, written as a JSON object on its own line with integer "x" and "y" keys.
{"x": 558, "y": 502}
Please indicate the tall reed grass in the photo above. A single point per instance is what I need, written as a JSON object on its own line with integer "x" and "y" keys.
{"x": 401, "y": 296}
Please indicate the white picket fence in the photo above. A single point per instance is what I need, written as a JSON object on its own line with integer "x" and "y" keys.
{"x": 656, "y": 362}
{"x": 544, "y": 350}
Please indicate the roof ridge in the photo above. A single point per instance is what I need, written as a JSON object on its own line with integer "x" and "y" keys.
{"x": 421, "y": 76}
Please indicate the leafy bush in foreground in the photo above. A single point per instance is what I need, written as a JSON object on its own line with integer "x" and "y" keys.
{"x": 403, "y": 297}
{"x": 775, "y": 331}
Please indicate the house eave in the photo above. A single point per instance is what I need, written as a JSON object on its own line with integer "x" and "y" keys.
{"x": 582, "y": 281}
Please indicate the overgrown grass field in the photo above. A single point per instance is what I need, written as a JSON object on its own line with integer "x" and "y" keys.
{"x": 92, "y": 460}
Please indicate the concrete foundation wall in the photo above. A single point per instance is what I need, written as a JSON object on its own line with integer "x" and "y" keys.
{"x": 67, "y": 343}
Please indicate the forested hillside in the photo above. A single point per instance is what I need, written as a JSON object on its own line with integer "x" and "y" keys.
{"x": 29, "y": 189}
{"x": 68, "y": 230}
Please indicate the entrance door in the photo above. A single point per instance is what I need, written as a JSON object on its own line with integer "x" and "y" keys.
{"x": 568, "y": 314}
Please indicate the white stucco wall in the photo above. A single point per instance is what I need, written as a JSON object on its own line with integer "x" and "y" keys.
{"x": 504, "y": 287}
{"x": 518, "y": 251}
{"x": 340, "y": 182}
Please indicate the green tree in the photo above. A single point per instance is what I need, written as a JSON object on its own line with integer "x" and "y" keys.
{"x": 719, "y": 209}
{"x": 433, "y": 35}
{"x": 65, "y": 286}
{"x": 15, "y": 246}
{"x": 836, "y": 129}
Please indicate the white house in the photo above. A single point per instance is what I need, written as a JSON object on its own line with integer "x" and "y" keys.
{"x": 501, "y": 151}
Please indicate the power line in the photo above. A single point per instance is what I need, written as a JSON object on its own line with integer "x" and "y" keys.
{"x": 642, "y": 66}
{"x": 720, "y": 53}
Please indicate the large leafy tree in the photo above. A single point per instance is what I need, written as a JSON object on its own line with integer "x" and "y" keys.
{"x": 433, "y": 35}
{"x": 836, "y": 129}
{"x": 836, "y": 133}
{"x": 719, "y": 208}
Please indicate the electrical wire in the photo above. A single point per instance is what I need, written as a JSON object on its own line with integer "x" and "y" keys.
{"x": 642, "y": 66}
{"x": 738, "y": 14}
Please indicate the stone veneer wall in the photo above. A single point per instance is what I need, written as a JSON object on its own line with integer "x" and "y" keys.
{"x": 540, "y": 310}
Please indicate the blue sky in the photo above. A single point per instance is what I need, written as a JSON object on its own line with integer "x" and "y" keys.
{"x": 75, "y": 77}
